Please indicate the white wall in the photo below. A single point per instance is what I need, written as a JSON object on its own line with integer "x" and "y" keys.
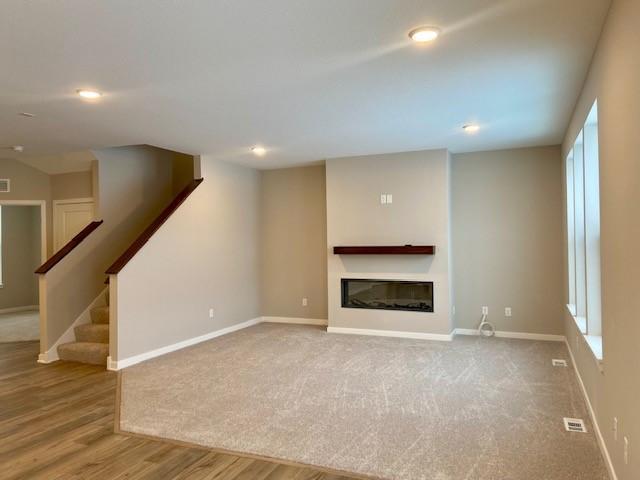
{"x": 419, "y": 215}
{"x": 614, "y": 80}
{"x": 507, "y": 239}
{"x": 205, "y": 256}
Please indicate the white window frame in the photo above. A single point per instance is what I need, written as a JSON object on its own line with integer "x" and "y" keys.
{"x": 583, "y": 233}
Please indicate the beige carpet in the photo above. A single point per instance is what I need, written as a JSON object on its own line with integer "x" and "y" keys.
{"x": 390, "y": 408}
{"x": 19, "y": 326}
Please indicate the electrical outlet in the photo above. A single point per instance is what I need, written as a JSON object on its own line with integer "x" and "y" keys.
{"x": 626, "y": 451}
{"x": 211, "y": 313}
{"x": 615, "y": 428}
{"x": 305, "y": 302}
{"x": 485, "y": 310}
{"x": 507, "y": 311}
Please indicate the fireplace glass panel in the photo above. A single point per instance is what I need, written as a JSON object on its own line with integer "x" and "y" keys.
{"x": 387, "y": 295}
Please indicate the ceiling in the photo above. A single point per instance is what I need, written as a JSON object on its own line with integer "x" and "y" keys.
{"x": 308, "y": 79}
{"x": 61, "y": 163}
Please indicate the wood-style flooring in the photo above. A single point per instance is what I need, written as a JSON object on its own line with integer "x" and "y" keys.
{"x": 57, "y": 422}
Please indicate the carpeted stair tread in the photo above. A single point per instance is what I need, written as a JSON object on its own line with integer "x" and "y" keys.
{"x": 100, "y": 315}
{"x": 84, "y": 352}
{"x": 92, "y": 332}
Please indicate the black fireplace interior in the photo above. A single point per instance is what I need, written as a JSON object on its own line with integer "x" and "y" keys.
{"x": 387, "y": 294}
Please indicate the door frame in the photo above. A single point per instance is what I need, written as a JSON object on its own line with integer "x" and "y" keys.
{"x": 67, "y": 201}
{"x": 43, "y": 221}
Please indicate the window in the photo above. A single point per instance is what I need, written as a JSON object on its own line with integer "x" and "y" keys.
{"x": 583, "y": 232}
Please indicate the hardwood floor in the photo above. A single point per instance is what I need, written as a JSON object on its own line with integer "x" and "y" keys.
{"x": 56, "y": 422}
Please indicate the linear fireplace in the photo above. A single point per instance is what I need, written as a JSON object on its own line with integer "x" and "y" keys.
{"x": 387, "y": 294}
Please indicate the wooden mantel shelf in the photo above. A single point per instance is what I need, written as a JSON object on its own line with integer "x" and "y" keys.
{"x": 386, "y": 250}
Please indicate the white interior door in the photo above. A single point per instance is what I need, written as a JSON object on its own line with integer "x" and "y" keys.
{"x": 69, "y": 217}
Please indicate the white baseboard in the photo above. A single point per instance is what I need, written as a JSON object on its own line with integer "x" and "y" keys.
{"x": 127, "y": 362}
{"x": 26, "y": 308}
{"x": 443, "y": 337}
{"x": 295, "y": 320}
{"x": 44, "y": 358}
{"x": 519, "y": 335}
{"x": 111, "y": 364}
{"x": 592, "y": 414}
{"x": 69, "y": 335}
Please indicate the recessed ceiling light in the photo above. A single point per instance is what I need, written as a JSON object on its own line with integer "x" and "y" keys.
{"x": 471, "y": 128}
{"x": 424, "y": 34}
{"x": 260, "y": 151}
{"x": 27, "y": 114}
{"x": 89, "y": 94}
{"x": 18, "y": 148}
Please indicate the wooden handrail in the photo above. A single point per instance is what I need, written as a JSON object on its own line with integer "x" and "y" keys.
{"x": 144, "y": 237}
{"x": 71, "y": 244}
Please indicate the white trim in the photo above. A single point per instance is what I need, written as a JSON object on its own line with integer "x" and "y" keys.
{"x": 26, "y": 308}
{"x": 127, "y": 362}
{"x": 594, "y": 342}
{"x": 443, "y": 337}
{"x": 69, "y": 335}
{"x": 295, "y": 320}
{"x": 596, "y": 427}
{"x": 595, "y": 346}
{"x": 518, "y": 335}
{"x": 111, "y": 364}
{"x": 44, "y": 358}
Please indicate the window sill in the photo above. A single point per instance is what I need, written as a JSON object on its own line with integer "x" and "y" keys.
{"x": 581, "y": 322}
{"x": 593, "y": 341}
{"x": 595, "y": 344}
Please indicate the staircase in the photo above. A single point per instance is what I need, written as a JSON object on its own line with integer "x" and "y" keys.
{"x": 92, "y": 340}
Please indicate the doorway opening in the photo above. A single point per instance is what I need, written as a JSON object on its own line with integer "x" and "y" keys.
{"x": 22, "y": 250}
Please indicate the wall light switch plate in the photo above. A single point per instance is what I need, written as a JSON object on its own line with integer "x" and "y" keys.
{"x": 485, "y": 310}
{"x": 211, "y": 313}
{"x": 305, "y": 302}
{"x": 389, "y": 198}
{"x": 507, "y": 311}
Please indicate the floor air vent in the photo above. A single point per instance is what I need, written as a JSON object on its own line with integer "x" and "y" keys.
{"x": 4, "y": 185}
{"x": 574, "y": 425}
{"x": 558, "y": 363}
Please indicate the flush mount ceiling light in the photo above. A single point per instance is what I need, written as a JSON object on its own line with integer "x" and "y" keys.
{"x": 424, "y": 34}
{"x": 26, "y": 114}
{"x": 259, "y": 151}
{"x": 471, "y": 128}
{"x": 89, "y": 94}
{"x": 18, "y": 148}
